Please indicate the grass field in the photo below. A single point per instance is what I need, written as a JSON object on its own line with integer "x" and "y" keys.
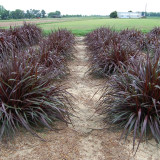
{"x": 83, "y": 25}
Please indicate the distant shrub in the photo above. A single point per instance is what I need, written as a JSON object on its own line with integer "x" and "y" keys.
{"x": 113, "y": 14}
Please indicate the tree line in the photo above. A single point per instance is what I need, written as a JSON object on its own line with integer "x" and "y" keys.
{"x": 19, "y": 14}
{"x": 153, "y": 14}
{"x": 31, "y": 13}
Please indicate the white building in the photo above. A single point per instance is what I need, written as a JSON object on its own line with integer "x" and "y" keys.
{"x": 129, "y": 14}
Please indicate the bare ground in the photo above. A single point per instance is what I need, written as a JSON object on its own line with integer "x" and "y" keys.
{"x": 33, "y": 21}
{"x": 86, "y": 139}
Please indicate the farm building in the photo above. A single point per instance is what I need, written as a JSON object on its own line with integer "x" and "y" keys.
{"x": 129, "y": 14}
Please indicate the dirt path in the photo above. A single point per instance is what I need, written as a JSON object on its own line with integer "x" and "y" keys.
{"x": 83, "y": 88}
{"x": 94, "y": 144}
{"x": 34, "y": 21}
{"x": 83, "y": 140}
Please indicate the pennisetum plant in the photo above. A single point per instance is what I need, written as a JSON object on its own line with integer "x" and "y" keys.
{"x": 131, "y": 102}
{"x": 19, "y": 37}
{"x": 27, "y": 97}
{"x": 55, "y": 50}
{"x": 108, "y": 49}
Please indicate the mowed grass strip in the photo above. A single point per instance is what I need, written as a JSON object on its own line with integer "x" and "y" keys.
{"x": 83, "y": 26}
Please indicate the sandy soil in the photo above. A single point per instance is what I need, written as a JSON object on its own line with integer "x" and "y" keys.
{"x": 35, "y": 21}
{"x": 86, "y": 139}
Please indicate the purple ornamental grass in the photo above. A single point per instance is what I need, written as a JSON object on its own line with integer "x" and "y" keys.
{"x": 132, "y": 100}
{"x": 28, "y": 99}
{"x": 61, "y": 41}
{"x": 55, "y": 50}
{"x": 135, "y": 36}
{"x": 19, "y": 37}
{"x": 107, "y": 50}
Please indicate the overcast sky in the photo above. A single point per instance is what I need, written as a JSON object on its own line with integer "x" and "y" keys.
{"x": 84, "y": 7}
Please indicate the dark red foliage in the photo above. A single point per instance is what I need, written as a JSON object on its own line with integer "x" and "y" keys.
{"x": 6, "y": 44}
{"x": 19, "y": 38}
{"x": 27, "y": 97}
{"x": 100, "y": 38}
{"x": 136, "y": 37}
{"x": 62, "y": 42}
{"x": 26, "y": 35}
{"x": 55, "y": 50}
{"x": 132, "y": 99}
{"x": 152, "y": 40}
{"x": 155, "y": 31}
{"x": 107, "y": 50}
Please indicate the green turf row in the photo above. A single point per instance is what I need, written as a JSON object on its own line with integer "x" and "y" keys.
{"x": 84, "y": 26}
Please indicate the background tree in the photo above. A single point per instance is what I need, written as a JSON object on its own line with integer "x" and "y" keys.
{"x": 28, "y": 14}
{"x": 72, "y": 15}
{"x": 33, "y": 13}
{"x": 56, "y": 14}
{"x": 36, "y": 13}
{"x": 43, "y": 13}
{"x": 17, "y": 14}
{"x": 4, "y": 14}
{"x": 2, "y": 9}
{"x": 153, "y": 14}
{"x": 113, "y": 14}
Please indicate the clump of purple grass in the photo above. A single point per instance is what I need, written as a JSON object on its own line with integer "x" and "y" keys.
{"x": 153, "y": 40}
{"x": 19, "y": 37}
{"x": 107, "y": 50}
{"x": 136, "y": 37}
{"x": 55, "y": 50}
{"x": 132, "y": 100}
{"x": 28, "y": 98}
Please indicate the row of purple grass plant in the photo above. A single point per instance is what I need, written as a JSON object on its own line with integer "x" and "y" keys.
{"x": 131, "y": 100}
{"x": 28, "y": 96}
{"x": 18, "y": 38}
{"x": 108, "y": 48}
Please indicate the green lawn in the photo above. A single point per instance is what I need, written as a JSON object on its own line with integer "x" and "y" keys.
{"x": 83, "y": 25}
